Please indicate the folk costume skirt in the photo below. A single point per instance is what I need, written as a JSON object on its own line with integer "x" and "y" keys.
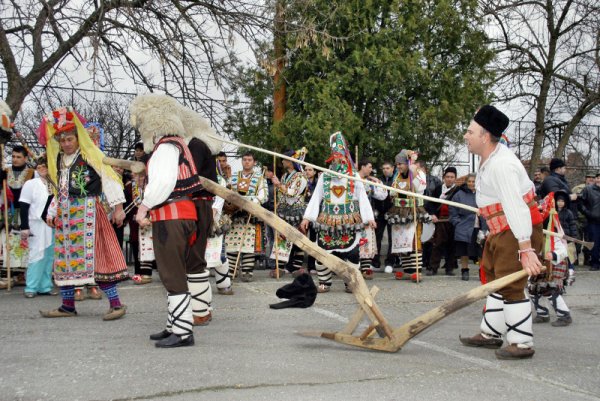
{"x": 86, "y": 249}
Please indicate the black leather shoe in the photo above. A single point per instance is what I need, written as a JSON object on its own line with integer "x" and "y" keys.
{"x": 174, "y": 341}
{"x": 159, "y": 336}
{"x": 464, "y": 274}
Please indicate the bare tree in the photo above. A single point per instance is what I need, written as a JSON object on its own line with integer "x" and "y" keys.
{"x": 177, "y": 46}
{"x": 548, "y": 59}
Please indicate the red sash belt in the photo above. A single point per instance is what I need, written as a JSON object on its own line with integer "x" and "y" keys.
{"x": 496, "y": 219}
{"x": 183, "y": 209}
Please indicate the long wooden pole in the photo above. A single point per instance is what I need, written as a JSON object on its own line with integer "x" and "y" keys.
{"x": 6, "y": 224}
{"x": 377, "y": 184}
{"x": 276, "y": 233}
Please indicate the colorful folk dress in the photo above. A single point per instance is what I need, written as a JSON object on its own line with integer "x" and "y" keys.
{"x": 290, "y": 207}
{"x": 246, "y": 234}
{"x": 368, "y": 241}
{"x": 15, "y": 178}
{"x": 401, "y": 215}
{"x": 339, "y": 209}
{"x": 86, "y": 247}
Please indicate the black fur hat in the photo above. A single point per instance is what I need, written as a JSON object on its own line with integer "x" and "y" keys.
{"x": 300, "y": 293}
{"x": 492, "y": 119}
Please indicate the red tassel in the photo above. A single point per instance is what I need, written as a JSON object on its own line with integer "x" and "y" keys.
{"x": 192, "y": 239}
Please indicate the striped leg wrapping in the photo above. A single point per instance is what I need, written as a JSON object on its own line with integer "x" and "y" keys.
{"x": 222, "y": 277}
{"x": 180, "y": 314}
{"x": 365, "y": 264}
{"x": 324, "y": 274}
{"x": 540, "y": 310}
{"x": 409, "y": 262}
{"x": 519, "y": 324}
{"x": 248, "y": 263}
{"x": 200, "y": 292}
{"x": 559, "y": 305}
{"x": 492, "y": 324}
{"x": 298, "y": 260}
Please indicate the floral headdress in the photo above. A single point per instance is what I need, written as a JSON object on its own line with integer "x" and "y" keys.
{"x": 61, "y": 121}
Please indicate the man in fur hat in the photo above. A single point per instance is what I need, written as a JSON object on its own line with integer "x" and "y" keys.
{"x": 506, "y": 199}
{"x": 203, "y": 148}
{"x": 172, "y": 179}
{"x": 401, "y": 216}
{"x": 339, "y": 210}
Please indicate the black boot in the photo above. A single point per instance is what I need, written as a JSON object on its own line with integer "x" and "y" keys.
{"x": 464, "y": 275}
{"x": 159, "y": 336}
{"x": 174, "y": 341}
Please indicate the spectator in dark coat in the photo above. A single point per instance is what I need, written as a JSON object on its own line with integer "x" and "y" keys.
{"x": 589, "y": 205}
{"x": 465, "y": 232}
{"x": 380, "y": 208}
{"x": 556, "y": 181}
{"x": 565, "y": 215}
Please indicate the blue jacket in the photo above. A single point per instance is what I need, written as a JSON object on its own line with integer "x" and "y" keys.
{"x": 464, "y": 220}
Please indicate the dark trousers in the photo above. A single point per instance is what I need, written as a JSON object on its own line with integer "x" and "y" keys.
{"x": 171, "y": 240}
{"x": 312, "y": 235}
{"x": 382, "y": 226}
{"x": 443, "y": 247}
{"x": 197, "y": 257}
{"x": 594, "y": 231}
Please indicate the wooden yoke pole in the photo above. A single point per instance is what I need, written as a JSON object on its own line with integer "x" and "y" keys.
{"x": 6, "y": 224}
{"x": 276, "y": 233}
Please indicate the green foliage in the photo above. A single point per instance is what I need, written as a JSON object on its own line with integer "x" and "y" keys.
{"x": 399, "y": 74}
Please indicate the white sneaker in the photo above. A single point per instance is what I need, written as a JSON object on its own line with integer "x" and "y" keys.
{"x": 389, "y": 269}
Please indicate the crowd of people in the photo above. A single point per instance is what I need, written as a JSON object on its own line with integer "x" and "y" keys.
{"x": 66, "y": 217}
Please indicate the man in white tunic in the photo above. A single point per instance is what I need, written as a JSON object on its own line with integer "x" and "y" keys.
{"x": 505, "y": 196}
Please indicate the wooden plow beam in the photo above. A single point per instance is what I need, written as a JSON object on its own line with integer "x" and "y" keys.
{"x": 389, "y": 339}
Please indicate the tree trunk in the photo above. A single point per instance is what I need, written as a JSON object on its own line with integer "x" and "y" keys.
{"x": 279, "y": 95}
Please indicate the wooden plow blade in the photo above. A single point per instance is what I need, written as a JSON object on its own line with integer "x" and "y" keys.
{"x": 378, "y": 335}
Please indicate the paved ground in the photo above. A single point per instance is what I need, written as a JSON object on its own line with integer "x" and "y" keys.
{"x": 250, "y": 352}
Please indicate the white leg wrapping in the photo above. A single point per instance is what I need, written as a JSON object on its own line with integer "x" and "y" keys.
{"x": 169, "y": 327}
{"x": 180, "y": 310}
{"x": 492, "y": 324}
{"x": 519, "y": 323}
{"x": 222, "y": 278}
{"x": 324, "y": 274}
{"x": 559, "y": 305}
{"x": 200, "y": 293}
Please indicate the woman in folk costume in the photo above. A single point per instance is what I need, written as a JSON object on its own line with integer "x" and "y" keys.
{"x": 339, "y": 210}
{"x": 86, "y": 247}
{"x": 291, "y": 205}
{"x": 401, "y": 216}
{"x": 550, "y": 284}
{"x": 172, "y": 179}
{"x": 245, "y": 237}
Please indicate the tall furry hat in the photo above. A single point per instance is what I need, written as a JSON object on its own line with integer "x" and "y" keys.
{"x": 198, "y": 127}
{"x": 156, "y": 116}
